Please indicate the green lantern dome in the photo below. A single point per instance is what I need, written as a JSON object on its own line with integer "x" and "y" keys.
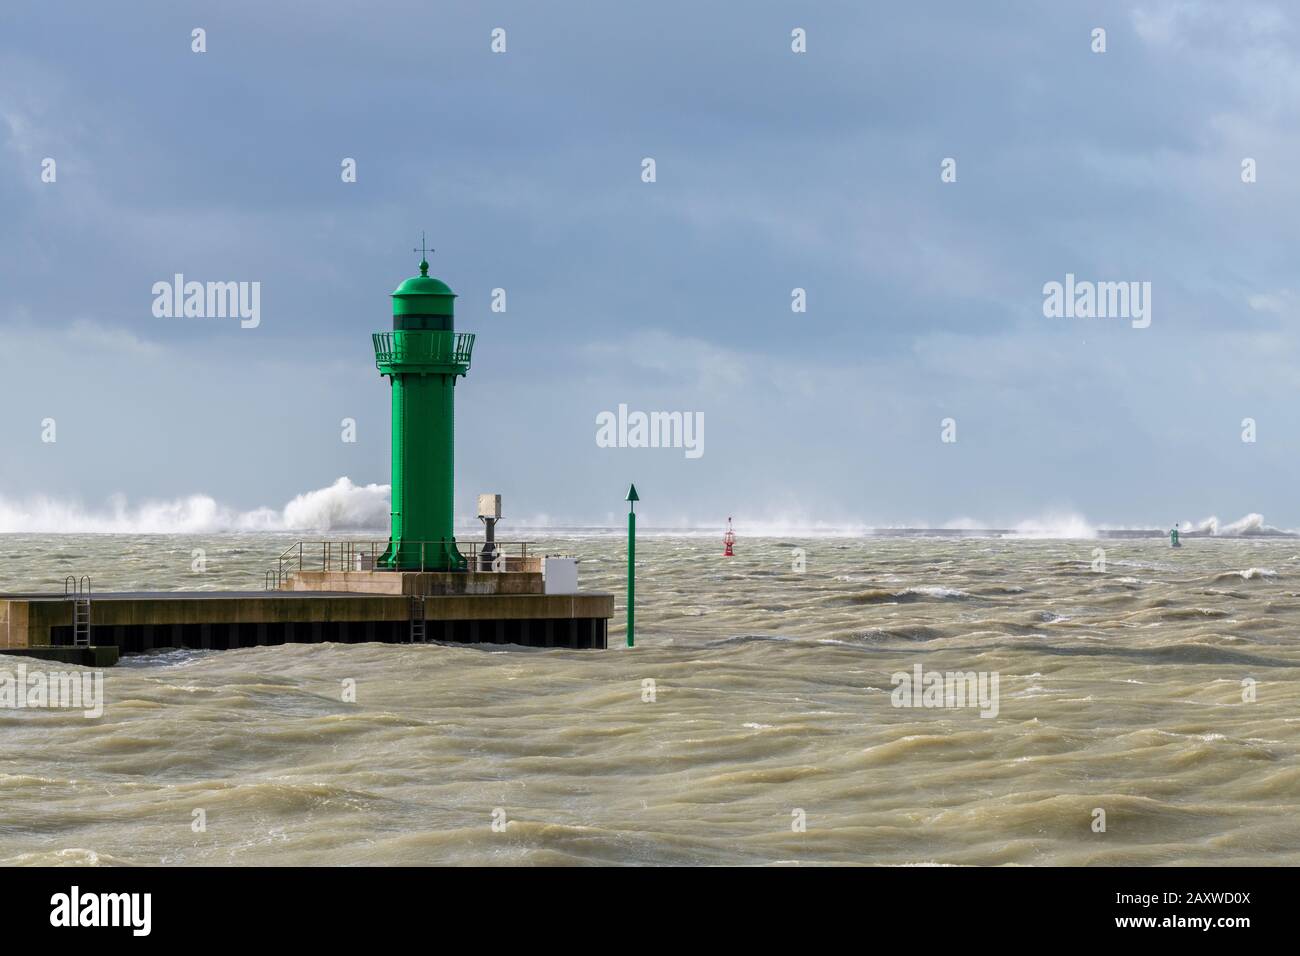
{"x": 423, "y": 297}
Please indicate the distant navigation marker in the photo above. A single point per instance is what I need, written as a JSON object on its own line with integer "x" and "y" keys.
{"x": 632, "y": 499}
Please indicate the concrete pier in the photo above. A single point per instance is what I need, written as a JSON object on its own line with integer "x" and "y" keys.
{"x": 398, "y": 608}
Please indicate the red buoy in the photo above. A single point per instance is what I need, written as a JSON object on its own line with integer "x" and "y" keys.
{"x": 729, "y": 539}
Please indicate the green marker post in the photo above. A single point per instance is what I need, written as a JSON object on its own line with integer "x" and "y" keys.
{"x": 632, "y": 499}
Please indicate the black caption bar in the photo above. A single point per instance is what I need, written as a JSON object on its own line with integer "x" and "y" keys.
{"x": 332, "y": 906}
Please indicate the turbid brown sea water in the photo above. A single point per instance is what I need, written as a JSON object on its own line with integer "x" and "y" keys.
{"x": 1120, "y": 690}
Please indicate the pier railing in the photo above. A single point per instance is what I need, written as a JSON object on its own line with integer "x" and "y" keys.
{"x": 364, "y": 555}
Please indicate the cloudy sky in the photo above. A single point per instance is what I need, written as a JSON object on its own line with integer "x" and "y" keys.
{"x": 775, "y": 170}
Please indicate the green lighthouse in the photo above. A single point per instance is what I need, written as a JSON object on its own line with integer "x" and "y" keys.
{"x": 422, "y": 358}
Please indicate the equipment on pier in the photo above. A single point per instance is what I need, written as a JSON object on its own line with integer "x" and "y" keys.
{"x": 489, "y": 512}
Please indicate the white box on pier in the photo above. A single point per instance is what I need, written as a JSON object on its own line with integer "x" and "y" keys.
{"x": 559, "y": 575}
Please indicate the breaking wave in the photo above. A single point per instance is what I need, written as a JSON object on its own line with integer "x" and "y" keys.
{"x": 341, "y": 506}
{"x": 1250, "y": 574}
{"x": 906, "y": 595}
{"x": 1055, "y": 526}
{"x": 1252, "y": 524}
{"x": 345, "y": 506}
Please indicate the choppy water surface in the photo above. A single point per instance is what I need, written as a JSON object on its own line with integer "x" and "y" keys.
{"x": 1119, "y": 690}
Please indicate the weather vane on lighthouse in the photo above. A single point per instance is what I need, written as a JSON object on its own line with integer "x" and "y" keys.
{"x": 424, "y": 255}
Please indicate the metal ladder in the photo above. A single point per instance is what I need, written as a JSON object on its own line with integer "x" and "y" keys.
{"x": 418, "y": 634}
{"x": 78, "y": 592}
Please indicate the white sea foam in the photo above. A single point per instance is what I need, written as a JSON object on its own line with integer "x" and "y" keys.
{"x": 341, "y": 506}
{"x": 938, "y": 592}
{"x": 346, "y": 506}
{"x": 1251, "y": 524}
{"x": 1250, "y": 574}
{"x": 1055, "y": 526}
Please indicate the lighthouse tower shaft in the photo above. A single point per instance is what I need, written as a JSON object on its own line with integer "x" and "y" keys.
{"x": 422, "y": 358}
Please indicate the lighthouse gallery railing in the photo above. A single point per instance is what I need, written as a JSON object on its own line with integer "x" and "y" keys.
{"x": 424, "y": 347}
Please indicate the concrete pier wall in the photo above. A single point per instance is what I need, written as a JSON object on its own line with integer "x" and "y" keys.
{"x": 13, "y": 623}
{"x": 140, "y": 621}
